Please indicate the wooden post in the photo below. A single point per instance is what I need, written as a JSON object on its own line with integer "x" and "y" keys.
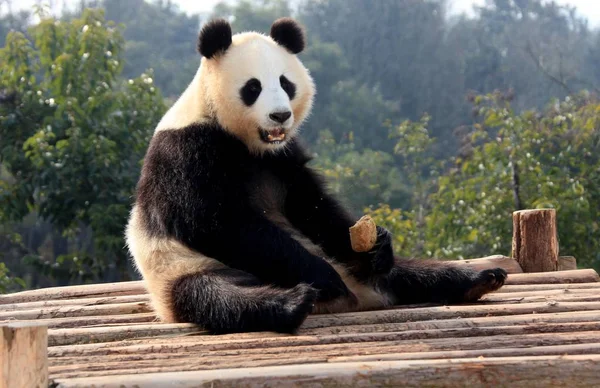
{"x": 567, "y": 263}
{"x": 23, "y": 356}
{"x": 535, "y": 242}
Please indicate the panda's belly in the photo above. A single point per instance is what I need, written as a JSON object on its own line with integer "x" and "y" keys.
{"x": 268, "y": 195}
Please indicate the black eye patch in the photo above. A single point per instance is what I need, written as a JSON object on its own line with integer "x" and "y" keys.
{"x": 250, "y": 91}
{"x": 288, "y": 87}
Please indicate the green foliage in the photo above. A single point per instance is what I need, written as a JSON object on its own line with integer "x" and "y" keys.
{"x": 256, "y": 15}
{"x": 362, "y": 178}
{"x": 7, "y": 282}
{"x": 74, "y": 134}
{"x": 554, "y": 158}
{"x": 511, "y": 161}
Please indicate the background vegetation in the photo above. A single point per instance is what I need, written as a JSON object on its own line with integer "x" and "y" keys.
{"x": 439, "y": 127}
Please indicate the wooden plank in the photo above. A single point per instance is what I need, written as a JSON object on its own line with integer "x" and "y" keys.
{"x": 205, "y": 343}
{"x": 535, "y": 240}
{"x": 574, "y": 276}
{"x": 567, "y": 263}
{"x": 555, "y": 371}
{"x": 78, "y": 311}
{"x": 23, "y": 356}
{"x": 588, "y": 348}
{"x": 212, "y": 356}
{"x": 200, "y": 362}
{"x": 509, "y": 264}
{"x": 81, "y": 291}
{"x": 117, "y": 333}
{"x": 87, "y": 321}
{"x": 129, "y": 332}
{"x": 541, "y": 287}
{"x": 45, "y": 304}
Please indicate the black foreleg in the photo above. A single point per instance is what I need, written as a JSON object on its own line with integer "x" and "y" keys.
{"x": 229, "y": 301}
{"x": 428, "y": 281}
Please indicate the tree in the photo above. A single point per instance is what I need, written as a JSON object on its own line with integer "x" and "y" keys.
{"x": 73, "y": 135}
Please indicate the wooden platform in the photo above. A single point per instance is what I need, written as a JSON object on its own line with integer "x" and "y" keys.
{"x": 539, "y": 330}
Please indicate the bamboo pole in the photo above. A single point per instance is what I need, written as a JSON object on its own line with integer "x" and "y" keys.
{"x": 535, "y": 240}
{"x": 556, "y": 371}
{"x": 23, "y": 356}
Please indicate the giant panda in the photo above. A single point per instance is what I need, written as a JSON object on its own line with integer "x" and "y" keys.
{"x": 233, "y": 231}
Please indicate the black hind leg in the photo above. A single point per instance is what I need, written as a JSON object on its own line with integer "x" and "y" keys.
{"x": 424, "y": 281}
{"x": 229, "y": 301}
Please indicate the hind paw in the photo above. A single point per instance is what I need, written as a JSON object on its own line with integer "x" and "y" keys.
{"x": 486, "y": 281}
{"x": 299, "y": 302}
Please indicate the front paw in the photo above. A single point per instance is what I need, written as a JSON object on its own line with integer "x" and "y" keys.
{"x": 382, "y": 254}
{"x": 376, "y": 262}
{"x": 486, "y": 281}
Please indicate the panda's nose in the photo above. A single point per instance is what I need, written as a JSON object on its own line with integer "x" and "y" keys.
{"x": 280, "y": 117}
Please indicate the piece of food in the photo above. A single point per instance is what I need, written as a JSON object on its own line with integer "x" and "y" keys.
{"x": 363, "y": 235}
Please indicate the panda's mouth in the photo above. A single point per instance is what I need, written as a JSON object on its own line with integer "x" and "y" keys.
{"x": 272, "y": 136}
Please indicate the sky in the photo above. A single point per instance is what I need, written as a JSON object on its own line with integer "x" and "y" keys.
{"x": 587, "y": 8}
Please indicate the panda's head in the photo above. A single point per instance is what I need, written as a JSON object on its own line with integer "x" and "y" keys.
{"x": 255, "y": 85}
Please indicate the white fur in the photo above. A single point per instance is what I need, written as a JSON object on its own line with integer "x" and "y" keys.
{"x": 214, "y": 93}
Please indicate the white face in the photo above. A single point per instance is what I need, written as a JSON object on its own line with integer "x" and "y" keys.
{"x": 260, "y": 92}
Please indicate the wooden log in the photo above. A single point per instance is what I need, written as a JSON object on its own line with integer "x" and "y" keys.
{"x": 60, "y": 337}
{"x": 555, "y": 371}
{"x": 448, "y": 312}
{"x": 75, "y": 302}
{"x": 592, "y": 348}
{"x": 90, "y": 321}
{"x": 541, "y": 287}
{"x": 118, "y": 365}
{"x": 496, "y": 261}
{"x": 280, "y": 341}
{"x": 574, "y": 276}
{"x": 543, "y": 298}
{"x": 567, "y": 263}
{"x": 341, "y": 326}
{"x": 81, "y": 291}
{"x": 212, "y": 356}
{"x": 23, "y": 356}
{"x": 196, "y": 362}
{"x": 535, "y": 241}
{"x": 77, "y": 311}
{"x": 205, "y": 343}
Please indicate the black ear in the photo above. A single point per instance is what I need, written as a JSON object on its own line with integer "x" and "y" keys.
{"x": 215, "y": 37}
{"x": 288, "y": 33}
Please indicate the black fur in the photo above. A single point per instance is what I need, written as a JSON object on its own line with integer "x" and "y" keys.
{"x": 214, "y": 38}
{"x": 196, "y": 186}
{"x": 235, "y": 301}
{"x": 250, "y": 91}
{"x": 288, "y": 86}
{"x": 201, "y": 186}
{"x": 289, "y": 34}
